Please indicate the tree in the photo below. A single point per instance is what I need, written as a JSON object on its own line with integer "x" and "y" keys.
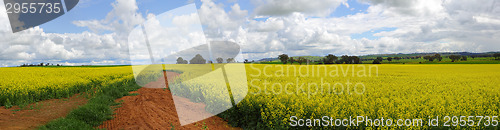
{"x": 283, "y": 58}
{"x": 430, "y": 58}
{"x": 301, "y": 60}
{"x": 380, "y": 59}
{"x": 464, "y": 58}
{"x": 454, "y": 58}
{"x": 246, "y": 61}
{"x": 497, "y": 56}
{"x": 438, "y": 57}
{"x": 397, "y": 58}
{"x": 230, "y": 60}
{"x": 198, "y": 59}
{"x": 181, "y": 61}
{"x": 330, "y": 59}
{"x": 324, "y": 60}
{"x": 389, "y": 58}
{"x": 346, "y": 59}
{"x": 376, "y": 61}
{"x": 219, "y": 60}
{"x": 291, "y": 60}
{"x": 355, "y": 60}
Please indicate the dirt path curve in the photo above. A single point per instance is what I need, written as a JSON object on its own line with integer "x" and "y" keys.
{"x": 154, "y": 108}
{"x": 40, "y": 113}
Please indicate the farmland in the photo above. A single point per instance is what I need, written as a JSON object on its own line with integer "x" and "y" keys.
{"x": 31, "y": 84}
{"x": 276, "y": 93}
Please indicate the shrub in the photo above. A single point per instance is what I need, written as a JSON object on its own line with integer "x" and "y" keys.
{"x": 8, "y": 104}
{"x": 66, "y": 124}
{"x": 92, "y": 114}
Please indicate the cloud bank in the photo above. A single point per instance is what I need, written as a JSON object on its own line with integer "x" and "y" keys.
{"x": 277, "y": 26}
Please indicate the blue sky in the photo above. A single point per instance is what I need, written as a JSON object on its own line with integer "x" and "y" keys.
{"x": 98, "y": 9}
{"x": 95, "y": 32}
{"x": 369, "y": 34}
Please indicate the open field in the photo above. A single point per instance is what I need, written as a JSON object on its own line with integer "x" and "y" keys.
{"x": 24, "y": 85}
{"x": 276, "y": 93}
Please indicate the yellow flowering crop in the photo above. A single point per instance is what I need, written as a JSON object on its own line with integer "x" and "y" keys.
{"x": 30, "y": 84}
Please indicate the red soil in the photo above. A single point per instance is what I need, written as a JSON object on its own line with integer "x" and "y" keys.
{"x": 154, "y": 108}
{"x": 37, "y": 114}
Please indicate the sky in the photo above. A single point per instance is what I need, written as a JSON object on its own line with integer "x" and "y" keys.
{"x": 96, "y": 32}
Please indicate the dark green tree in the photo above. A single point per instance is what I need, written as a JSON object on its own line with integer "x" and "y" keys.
{"x": 497, "y": 56}
{"x": 330, "y": 59}
{"x": 181, "y": 61}
{"x": 324, "y": 60}
{"x": 291, "y": 60}
{"x": 283, "y": 58}
{"x": 198, "y": 59}
{"x": 346, "y": 59}
{"x": 454, "y": 58}
{"x": 430, "y": 58}
{"x": 355, "y": 60}
{"x": 301, "y": 60}
{"x": 438, "y": 57}
{"x": 230, "y": 60}
{"x": 219, "y": 60}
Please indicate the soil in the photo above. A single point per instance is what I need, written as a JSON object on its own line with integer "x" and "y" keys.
{"x": 33, "y": 115}
{"x": 154, "y": 108}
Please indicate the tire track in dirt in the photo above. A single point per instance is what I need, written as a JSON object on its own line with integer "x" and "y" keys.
{"x": 40, "y": 113}
{"x": 154, "y": 108}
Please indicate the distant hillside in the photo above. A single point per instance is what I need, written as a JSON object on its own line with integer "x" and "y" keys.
{"x": 267, "y": 59}
{"x": 373, "y": 56}
{"x": 312, "y": 58}
{"x": 445, "y": 54}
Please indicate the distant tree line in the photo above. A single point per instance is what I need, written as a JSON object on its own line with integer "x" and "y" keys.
{"x": 329, "y": 59}
{"x": 497, "y": 56}
{"x": 198, "y": 59}
{"x": 41, "y": 64}
{"x": 345, "y": 59}
{"x": 454, "y": 58}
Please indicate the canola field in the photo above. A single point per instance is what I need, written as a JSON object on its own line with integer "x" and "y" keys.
{"x": 300, "y": 96}
{"x": 23, "y": 85}
{"x": 390, "y": 91}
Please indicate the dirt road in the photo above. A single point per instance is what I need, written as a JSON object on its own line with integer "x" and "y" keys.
{"x": 154, "y": 108}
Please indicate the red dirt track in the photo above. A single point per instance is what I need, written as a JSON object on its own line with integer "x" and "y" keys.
{"x": 154, "y": 108}
{"x": 41, "y": 113}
